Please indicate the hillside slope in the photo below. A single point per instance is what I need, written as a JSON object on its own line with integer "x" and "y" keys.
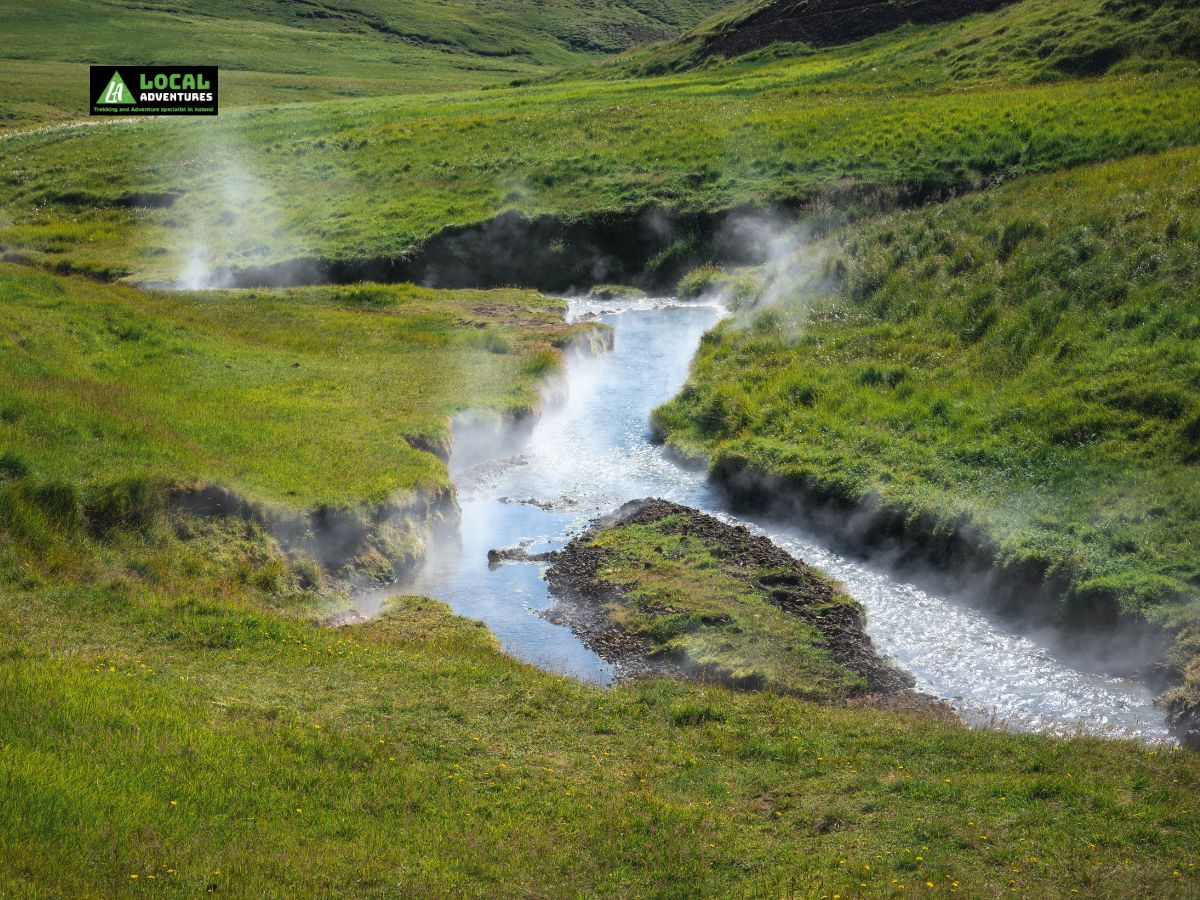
{"x": 172, "y": 721}
{"x": 1042, "y": 39}
{"x": 823, "y": 23}
{"x": 274, "y": 51}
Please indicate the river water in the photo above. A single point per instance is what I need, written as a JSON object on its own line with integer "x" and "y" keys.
{"x": 592, "y": 452}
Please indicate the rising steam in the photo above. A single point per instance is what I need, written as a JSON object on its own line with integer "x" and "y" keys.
{"x": 789, "y": 267}
{"x": 234, "y": 218}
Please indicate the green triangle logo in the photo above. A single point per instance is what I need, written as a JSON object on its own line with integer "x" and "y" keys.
{"x": 116, "y": 94}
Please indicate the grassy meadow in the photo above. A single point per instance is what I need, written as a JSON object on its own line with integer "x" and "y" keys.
{"x": 172, "y": 722}
{"x": 275, "y": 51}
{"x": 305, "y": 397}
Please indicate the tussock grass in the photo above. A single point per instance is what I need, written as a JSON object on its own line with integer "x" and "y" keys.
{"x": 303, "y": 397}
{"x": 734, "y": 288}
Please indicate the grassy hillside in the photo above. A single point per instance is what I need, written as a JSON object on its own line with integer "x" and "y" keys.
{"x": 269, "y": 185}
{"x": 1032, "y": 39}
{"x": 1025, "y": 358}
{"x": 170, "y": 722}
{"x": 274, "y": 51}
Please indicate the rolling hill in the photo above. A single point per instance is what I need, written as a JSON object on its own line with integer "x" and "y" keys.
{"x": 275, "y": 51}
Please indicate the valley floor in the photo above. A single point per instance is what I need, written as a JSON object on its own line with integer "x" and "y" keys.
{"x": 987, "y": 323}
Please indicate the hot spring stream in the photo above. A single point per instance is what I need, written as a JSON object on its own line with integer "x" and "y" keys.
{"x": 592, "y": 453}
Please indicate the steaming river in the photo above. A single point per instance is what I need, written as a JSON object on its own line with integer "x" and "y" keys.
{"x": 592, "y": 453}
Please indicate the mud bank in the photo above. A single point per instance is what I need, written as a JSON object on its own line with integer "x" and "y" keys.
{"x": 728, "y": 636}
{"x": 648, "y": 248}
{"x": 1087, "y": 627}
{"x": 383, "y": 541}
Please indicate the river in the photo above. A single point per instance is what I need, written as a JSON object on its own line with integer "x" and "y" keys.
{"x": 592, "y": 452}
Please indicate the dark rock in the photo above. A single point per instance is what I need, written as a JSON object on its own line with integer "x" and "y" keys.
{"x": 515, "y": 554}
{"x": 825, "y": 23}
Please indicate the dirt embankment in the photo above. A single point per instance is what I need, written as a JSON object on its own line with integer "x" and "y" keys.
{"x": 826, "y": 23}
{"x": 383, "y": 540}
{"x": 586, "y": 602}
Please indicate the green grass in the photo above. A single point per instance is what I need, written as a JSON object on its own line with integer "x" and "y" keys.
{"x": 167, "y": 710}
{"x": 710, "y": 280}
{"x": 266, "y": 185}
{"x": 609, "y": 291}
{"x": 303, "y": 397}
{"x": 690, "y": 601}
{"x": 1024, "y": 358}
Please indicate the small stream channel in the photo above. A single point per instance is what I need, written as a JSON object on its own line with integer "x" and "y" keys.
{"x": 592, "y": 453}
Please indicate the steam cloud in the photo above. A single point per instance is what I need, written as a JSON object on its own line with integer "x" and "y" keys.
{"x": 789, "y": 267}
{"x": 238, "y": 218}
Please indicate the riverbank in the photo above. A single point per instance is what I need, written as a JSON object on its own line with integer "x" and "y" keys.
{"x": 1004, "y": 383}
{"x": 322, "y": 416}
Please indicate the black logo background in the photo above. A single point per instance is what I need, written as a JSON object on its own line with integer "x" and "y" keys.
{"x": 131, "y": 75}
